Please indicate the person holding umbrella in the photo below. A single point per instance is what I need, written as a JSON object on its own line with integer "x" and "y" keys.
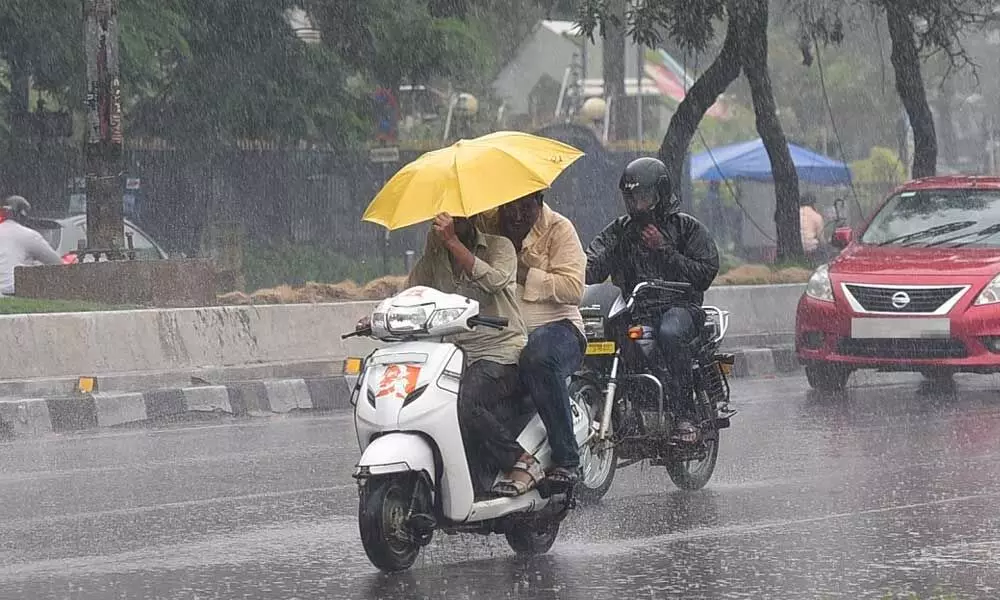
{"x": 451, "y": 186}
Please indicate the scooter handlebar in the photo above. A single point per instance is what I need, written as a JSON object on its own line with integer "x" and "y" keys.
{"x": 491, "y": 322}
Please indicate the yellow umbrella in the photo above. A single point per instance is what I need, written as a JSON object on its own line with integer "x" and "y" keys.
{"x": 470, "y": 177}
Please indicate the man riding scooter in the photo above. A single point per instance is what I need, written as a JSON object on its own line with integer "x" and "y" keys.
{"x": 657, "y": 241}
{"x": 551, "y": 267}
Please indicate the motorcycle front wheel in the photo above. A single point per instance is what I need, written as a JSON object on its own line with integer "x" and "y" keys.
{"x": 598, "y": 460}
{"x": 382, "y": 511}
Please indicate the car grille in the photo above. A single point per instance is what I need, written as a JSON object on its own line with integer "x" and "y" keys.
{"x": 902, "y": 348}
{"x": 922, "y": 300}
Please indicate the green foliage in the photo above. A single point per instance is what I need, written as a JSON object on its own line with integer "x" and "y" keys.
{"x": 876, "y": 176}
{"x": 295, "y": 264}
{"x": 21, "y": 306}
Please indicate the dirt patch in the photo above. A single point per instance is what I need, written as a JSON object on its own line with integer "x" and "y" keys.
{"x": 762, "y": 275}
{"x": 313, "y": 292}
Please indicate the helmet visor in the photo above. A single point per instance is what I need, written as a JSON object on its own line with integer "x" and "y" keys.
{"x": 639, "y": 199}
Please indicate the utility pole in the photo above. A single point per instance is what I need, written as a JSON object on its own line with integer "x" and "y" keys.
{"x": 104, "y": 138}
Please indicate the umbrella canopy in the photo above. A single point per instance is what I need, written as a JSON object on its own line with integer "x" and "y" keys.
{"x": 470, "y": 177}
{"x": 749, "y": 161}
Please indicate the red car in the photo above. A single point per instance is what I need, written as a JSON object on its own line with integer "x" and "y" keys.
{"x": 917, "y": 290}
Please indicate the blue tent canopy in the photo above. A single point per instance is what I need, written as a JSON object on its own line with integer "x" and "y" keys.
{"x": 749, "y": 161}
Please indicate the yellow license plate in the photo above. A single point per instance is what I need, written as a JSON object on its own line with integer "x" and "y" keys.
{"x": 599, "y": 348}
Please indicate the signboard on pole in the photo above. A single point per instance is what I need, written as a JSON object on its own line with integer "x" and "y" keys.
{"x": 384, "y": 155}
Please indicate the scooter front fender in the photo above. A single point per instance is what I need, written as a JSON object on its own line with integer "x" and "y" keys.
{"x": 397, "y": 452}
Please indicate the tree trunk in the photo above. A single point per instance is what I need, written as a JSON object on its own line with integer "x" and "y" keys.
{"x": 614, "y": 70}
{"x": 910, "y": 86}
{"x": 19, "y": 100}
{"x": 786, "y": 180}
{"x": 702, "y": 95}
{"x": 949, "y": 146}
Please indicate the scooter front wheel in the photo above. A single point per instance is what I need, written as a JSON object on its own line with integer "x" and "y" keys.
{"x": 382, "y": 511}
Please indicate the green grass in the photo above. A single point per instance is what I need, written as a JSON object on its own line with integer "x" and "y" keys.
{"x": 23, "y": 306}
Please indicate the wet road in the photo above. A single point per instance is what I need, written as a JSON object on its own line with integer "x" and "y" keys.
{"x": 890, "y": 489}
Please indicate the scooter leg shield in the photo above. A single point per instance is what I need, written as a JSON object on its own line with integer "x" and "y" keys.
{"x": 397, "y": 453}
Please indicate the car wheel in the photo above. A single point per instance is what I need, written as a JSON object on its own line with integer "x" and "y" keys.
{"x": 826, "y": 377}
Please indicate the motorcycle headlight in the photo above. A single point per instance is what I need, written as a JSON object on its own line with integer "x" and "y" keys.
{"x": 444, "y": 316}
{"x": 819, "y": 286}
{"x": 990, "y": 293}
{"x": 408, "y": 319}
{"x": 593, "y": 327}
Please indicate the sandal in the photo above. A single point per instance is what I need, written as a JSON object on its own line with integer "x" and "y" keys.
{"x": 525, "y": 475}
{"x": 564, "y": 475}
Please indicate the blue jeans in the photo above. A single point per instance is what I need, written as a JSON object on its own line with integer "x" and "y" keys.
{"x": 553, "y": 353}
{"x": 677, "y": 330}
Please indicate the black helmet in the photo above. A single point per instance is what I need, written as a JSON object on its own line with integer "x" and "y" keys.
{"x": 645, "y": 184}
{"x": 17, "y": 208}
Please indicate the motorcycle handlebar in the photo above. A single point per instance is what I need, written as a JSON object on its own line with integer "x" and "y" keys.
{"x": 491, "y": 322}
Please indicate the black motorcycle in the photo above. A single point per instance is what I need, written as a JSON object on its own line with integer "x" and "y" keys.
{"x": 622, "y": 381}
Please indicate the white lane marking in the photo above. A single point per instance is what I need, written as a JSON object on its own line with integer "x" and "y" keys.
{"x": 624, "y": 546}
{"x": 137, "y": 510}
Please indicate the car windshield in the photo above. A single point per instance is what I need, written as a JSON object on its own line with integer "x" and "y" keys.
{"x": 938, "y": 218}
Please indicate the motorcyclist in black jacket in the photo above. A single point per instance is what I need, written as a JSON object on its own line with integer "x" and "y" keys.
{"x": 657, "y": 241}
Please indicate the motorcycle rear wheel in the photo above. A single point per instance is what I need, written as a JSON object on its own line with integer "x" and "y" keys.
{"x": 695, "y": 474}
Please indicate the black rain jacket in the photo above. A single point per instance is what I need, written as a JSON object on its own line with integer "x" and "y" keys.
{"x": 618, "y": 252}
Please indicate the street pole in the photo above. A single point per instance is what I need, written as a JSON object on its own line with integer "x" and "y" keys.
{"x": 104, "y": 137}
{"x": 640, "y": 67}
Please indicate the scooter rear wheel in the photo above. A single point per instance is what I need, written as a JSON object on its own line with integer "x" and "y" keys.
{"x": 527, "y": 540}
{"x": 382, "y": 511}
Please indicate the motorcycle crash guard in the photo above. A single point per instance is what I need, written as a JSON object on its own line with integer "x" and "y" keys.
{"x": 397, "y": 453}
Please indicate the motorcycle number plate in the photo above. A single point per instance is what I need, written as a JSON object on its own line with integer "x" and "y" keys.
{"x": 600, "y": 348}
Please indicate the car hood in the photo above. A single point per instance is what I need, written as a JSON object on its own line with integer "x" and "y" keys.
{"x": 907, "y": 262}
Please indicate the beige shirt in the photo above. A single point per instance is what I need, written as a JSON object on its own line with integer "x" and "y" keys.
{"x": 492, "y": 284}
{"x": 811, "y": 224}
{"x": 557, "y": 268}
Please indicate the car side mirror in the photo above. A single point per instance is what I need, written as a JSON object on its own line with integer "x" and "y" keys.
{"x": 842, "y": 236}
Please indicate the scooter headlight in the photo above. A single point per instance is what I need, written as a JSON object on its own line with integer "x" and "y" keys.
{"x": 408, "y": 319}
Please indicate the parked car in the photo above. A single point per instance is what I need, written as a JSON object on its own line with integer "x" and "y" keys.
{"x": 917, "y": 290}
{"x": 65, "y": 234}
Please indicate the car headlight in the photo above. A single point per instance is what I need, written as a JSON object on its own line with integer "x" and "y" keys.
{"x": 593, "y": 327}
{"x": 408, "y": 319}
{"x": 444, "y": 316}
{"x": 990, "y": 293}
{"x": 819, "y": 286}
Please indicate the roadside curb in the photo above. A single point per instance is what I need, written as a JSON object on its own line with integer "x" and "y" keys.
{"x": 29, "y": 417}
{"x": 40, "y": 416}
{"x": 764, "y": 362}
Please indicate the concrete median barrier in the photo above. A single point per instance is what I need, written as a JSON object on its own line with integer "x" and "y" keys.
{"x": 256, "y": 360}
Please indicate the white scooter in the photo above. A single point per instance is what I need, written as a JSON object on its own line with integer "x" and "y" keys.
{"x": 413, "y": 476}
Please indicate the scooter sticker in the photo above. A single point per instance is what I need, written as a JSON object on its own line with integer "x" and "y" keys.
{"x": 398, "y": 383}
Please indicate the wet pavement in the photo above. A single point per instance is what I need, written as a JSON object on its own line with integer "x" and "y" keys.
{"x": 889, "y": 489}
